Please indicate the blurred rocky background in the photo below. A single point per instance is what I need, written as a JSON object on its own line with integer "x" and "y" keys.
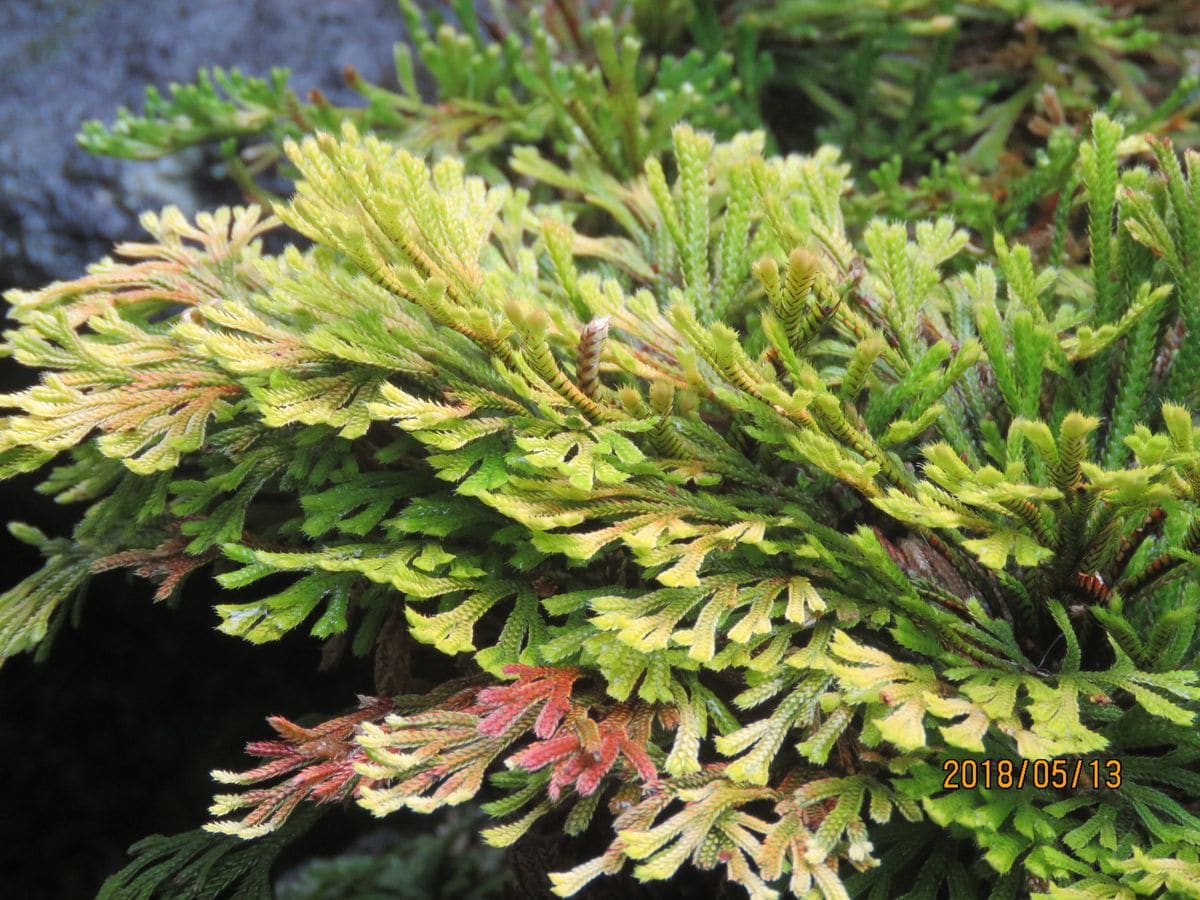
{"x": 64, "y": 61}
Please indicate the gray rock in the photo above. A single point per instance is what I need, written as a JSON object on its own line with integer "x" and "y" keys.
{"x": 65, "y": 61}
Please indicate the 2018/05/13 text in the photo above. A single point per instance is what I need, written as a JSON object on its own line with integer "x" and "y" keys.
{"x": 965, "y": 774}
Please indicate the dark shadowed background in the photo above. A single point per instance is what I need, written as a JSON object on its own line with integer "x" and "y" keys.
{"x": 112, "y": 737}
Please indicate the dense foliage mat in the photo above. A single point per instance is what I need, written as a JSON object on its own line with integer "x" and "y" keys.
{"x": 779, "y": 524}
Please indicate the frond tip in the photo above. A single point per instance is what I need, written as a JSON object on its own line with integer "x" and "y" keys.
{"x": 587, "y": 356}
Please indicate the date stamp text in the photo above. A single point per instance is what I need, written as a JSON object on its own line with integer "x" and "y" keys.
{"x": 1015, "y": 774}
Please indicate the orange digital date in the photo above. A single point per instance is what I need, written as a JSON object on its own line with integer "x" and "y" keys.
{"x": 1009, "y": 774}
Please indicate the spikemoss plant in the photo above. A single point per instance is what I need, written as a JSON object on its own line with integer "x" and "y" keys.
{"x": 976, "y": 109}
{"x": 741, "y": 529}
